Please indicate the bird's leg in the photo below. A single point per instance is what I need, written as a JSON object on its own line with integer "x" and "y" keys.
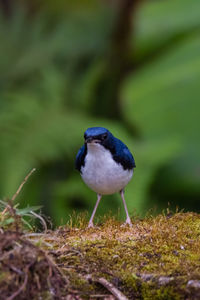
{"x": 128, "y": 220}
{"x": 94, "y": 211}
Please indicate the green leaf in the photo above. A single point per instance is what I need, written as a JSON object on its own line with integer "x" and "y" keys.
{"x": 161, "y": 23}
{"x": 27, "y": 224}
{"x": 7, "y": 221}
{"x": 26, "y": 210}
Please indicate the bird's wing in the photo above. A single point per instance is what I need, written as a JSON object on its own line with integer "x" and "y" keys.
{"x": 80, "y": 158}
{"x": 124, "y": 156}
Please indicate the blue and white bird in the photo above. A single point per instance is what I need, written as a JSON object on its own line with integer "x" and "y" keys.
{"x": 105, "y": 164}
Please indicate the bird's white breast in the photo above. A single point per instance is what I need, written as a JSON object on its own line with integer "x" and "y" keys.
{"x": 101, "y": 173}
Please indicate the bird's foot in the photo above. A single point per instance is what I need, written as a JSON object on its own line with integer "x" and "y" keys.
{"x": 90, "y": 225}
{"x": 128, "y": 222}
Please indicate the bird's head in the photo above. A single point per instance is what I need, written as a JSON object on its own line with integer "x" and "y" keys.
{"x": 97, "y": 135}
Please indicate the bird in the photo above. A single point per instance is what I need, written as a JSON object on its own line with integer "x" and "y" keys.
{"x": 106, "y": 165}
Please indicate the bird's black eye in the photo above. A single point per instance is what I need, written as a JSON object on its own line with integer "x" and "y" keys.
{"x": 85, "y": 136}
{"x": 104, "y": 136}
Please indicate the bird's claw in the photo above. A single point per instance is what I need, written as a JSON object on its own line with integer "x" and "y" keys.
{"x": 128, "y": 222}
{"x": 90, "y": 225}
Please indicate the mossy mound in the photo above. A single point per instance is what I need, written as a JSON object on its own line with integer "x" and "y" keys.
{"x": 157, "y": 258}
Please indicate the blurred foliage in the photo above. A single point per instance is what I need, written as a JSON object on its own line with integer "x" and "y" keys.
{"x": 162, "y": 97}
{"x": 56, "y": 80}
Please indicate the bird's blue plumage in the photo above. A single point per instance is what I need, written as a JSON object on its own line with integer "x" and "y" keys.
{"x": 95, "y": 131}
{"x": 122, "y": 155}
{"x": 80, "y": 158}
{"x": 118, "y": 149}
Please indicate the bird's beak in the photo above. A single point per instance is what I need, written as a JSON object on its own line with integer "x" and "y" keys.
{"x": 92, "y": 140}
{"x": 89, "y": 140}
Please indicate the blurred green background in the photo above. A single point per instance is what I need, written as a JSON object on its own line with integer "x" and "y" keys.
{"x": 130, "y": 66}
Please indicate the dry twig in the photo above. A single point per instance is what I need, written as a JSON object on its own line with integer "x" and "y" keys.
{"x": 22, "y": 184}
{"x": 111, "y": 288}
{"x": 50, "y": 261}
{"x": 41, "y": 219}
{"x": 18, "y": 190}
{"x": 22, "y": 287}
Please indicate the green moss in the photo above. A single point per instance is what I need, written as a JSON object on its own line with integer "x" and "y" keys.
{"x": 151, "y": 291}
{"x": 162, "y": 246}
{"x": 80, "y": 283}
